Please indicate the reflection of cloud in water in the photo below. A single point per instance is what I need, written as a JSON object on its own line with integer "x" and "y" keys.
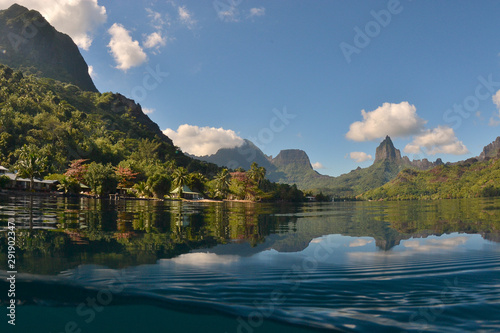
{"x": 435, "y": 244}
{"x": 427, "y": 245}
{"x": 196, "y": 259}
{"x": 360, "y": 242}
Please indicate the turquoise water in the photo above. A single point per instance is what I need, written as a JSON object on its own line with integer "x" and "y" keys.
{"x": 99, "y": 266}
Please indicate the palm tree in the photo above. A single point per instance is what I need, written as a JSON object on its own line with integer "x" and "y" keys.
{"x": 180, "y": 179}
{"x": 256, "y": 173}
{"x": 222, "y": 183}
{"x": 142, "y": 189}
{"x": 31, "y": 162}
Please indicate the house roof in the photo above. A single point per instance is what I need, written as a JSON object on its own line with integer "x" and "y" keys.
{"x": 185, "y": 190}
{"x": 3, "y": 168}
{"x": 13, "y": 176}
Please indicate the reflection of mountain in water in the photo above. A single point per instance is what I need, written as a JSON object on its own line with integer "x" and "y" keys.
{"x": 69, "y": 232}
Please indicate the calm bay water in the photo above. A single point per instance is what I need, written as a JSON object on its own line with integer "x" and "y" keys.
{"x": 140, "y": 266}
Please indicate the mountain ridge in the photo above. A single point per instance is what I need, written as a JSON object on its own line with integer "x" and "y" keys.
{"x": 292, "y": 166}
{"x": 30, "y": 44}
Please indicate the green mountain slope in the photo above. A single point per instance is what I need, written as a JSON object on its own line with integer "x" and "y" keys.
{"x": 468, "y": 179}
{"x": 295, "y": 168}
{"x": 68, "y": 124}
{"x": 29, "y": 43}
{"x": 292, "y": 166}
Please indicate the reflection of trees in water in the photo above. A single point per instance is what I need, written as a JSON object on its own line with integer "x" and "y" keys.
{"x": 480, "y": 215}
{"x": 122, "y": 233}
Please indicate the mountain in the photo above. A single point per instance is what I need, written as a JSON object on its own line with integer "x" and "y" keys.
{"x": 474, "y": 177}
{"x": 467, "y": 179}
{"x": 292, "y": 166}
{"x": 490, "y": 150}
{"x": 387, "y": 152}
{"x": 68, "y": 123}
{"x": 242, "y": 156}
{"x": 30, "y": 44}
{"x": 51, "y": 101}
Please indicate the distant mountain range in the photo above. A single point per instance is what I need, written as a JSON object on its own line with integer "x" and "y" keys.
{"x": 293, "y": 166}
{"x": 29, "y": 43}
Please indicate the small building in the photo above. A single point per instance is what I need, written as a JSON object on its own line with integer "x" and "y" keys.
{"x": 187, "y": 193}
{"x": 18, "y": 183}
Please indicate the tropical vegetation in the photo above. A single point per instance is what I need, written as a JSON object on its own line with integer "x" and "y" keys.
{"x": 468, "y": 179}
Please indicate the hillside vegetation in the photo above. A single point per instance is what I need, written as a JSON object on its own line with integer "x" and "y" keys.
{"x": 468, "y": 179}
{"x": 67, "y": 123}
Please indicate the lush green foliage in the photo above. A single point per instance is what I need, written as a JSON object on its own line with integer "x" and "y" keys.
{"x": 105, "y": 142}
{"x": 31, "y": 162}
{"x": 467, "y": 179}
{"x": 71, "y": 124}
{"x": 344, "y": 186}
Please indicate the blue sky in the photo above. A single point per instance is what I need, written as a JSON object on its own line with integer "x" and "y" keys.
{"x": 298, "y": 74}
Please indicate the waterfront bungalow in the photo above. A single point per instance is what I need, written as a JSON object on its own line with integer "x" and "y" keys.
{"x": 186, "y": 193}
{"x": 17, "y": 183}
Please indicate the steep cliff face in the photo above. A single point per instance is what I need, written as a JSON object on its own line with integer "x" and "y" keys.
{"x": 387, "y": 152}
{"x": 490, "y": 150}
{"x": 29, "y": 43}
{"x": 294, "y": 157}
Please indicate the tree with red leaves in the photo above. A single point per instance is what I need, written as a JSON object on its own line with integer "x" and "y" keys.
{"x": 77, "y": 170}
{"x": 125, "y": 176}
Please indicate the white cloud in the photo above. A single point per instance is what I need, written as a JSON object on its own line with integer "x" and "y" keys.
{"x": 186, "y": 17}
{"x": 155, "y": 40}
{"x": 228, "y": 13}
{"x": 126, "y": 52}
{"x": 496, "y": 99}
{"x": 440, "y": 140}
{"x": 435, "y": 244}
{"x": 91, "y": 72}
{"x": 201, "y": 141}
{"x": 261, "y": 11}
{"x": 360, "y": 156}
{"x": 317, "y": 166}
{"x": 495, "y": 120}
{"x": 77, "y": 18}
{"x": 204, "y": 259}
{"x": 358, "y": 242}
{"x": 148, "y": 110}
{"x": 157, "y": 20}
{"x": 395, "y": 120}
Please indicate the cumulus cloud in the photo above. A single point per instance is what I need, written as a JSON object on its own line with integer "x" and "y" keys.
{"x": 186, "y": 17}
{"x": 77, "y": 18}
{"x": 261, "y": 11}
{"x": 395, "y": 120}
{"x": 148, "y": 110}
{"x": 155, "y": 40}
{"x": 360, "y": 156}
{"x": 317, "y": 166}
{"x": 441, "y": 139}
{"x": 126, "y": 52}
{"x": 201, "y": 141}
